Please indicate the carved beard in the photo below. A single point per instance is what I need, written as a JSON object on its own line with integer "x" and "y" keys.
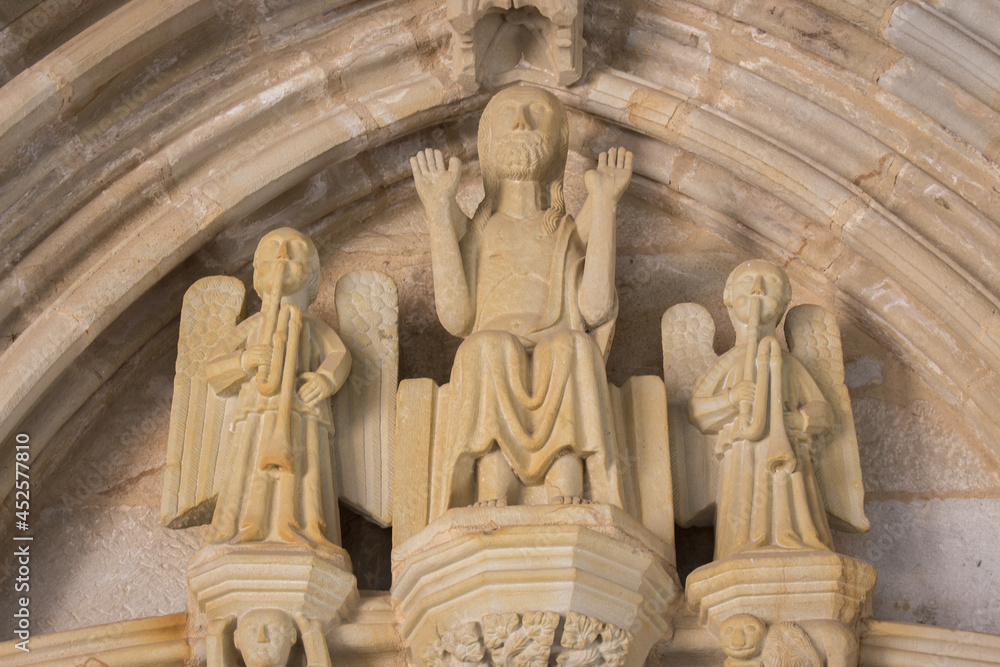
{"x": 521, "y": 156}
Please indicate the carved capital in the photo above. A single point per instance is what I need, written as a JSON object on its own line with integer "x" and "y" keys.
{"x": 530, "y": 639}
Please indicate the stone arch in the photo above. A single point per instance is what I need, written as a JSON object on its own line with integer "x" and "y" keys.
{"x": 147, "y": 142}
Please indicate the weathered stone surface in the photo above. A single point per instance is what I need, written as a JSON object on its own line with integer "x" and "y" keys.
{"x": 102, "y": 565}
{"x": 126, "y": 120}
{"x": 933, "y": 559}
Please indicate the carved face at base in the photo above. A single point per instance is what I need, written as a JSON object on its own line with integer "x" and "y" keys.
{"x": 265, "y": 637}
{"x": 522, "y": 135}
{"x": 291, "y": 253}
{"x": 757, "y": 282}
{"x": 742, "y": 636}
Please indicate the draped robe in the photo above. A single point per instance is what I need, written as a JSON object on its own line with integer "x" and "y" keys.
{"x": 278, "y": 492}
{"x": 758, "y": 507}
{"x": 535, "y": 392}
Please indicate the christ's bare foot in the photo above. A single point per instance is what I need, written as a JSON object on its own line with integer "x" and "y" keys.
{"x": 570, "y": 500}
{"x": 492, "y": 502}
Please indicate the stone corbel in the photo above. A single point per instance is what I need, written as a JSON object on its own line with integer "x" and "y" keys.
{"x": 497, "y": 42}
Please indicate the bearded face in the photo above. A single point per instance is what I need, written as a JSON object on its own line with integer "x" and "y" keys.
{"x": 521, "y": 134}
{"x": 522, "y": 155}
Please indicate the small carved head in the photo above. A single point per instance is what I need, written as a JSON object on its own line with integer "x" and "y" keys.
{"x": 265, "y": 637}
{"x": 296, "y": 254}
{"x": 757, "y": 280}
{"x": 742, "y": 636}
{"x": 523, "y": 136}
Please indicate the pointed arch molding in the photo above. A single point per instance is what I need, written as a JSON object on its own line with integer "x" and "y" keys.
{"x": 865, "y": 154}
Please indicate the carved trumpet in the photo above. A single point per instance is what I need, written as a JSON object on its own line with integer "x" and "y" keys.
{"x": 279, "y": 451}
{"x": 753, "y": 413}
{"x": 269, "y": 379}
{"x": 779, "y": 450}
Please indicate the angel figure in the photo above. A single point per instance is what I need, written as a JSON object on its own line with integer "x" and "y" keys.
{"x": 251, "y": 421}
{"x": 282, "y": 365}
{"x": 773, "y": 427}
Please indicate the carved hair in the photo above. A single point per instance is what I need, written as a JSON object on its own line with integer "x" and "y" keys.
{"x": 552, "y": 173}
{"x": 312, "y": 287}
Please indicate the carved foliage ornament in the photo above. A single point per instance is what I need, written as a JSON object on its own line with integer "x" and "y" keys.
{"x": 529, "y": 640}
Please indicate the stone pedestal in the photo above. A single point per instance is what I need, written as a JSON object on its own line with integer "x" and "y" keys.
{"x": 491, "y": 583}
{"x": 793, "y": 595}
{"x": 226, "y": 580}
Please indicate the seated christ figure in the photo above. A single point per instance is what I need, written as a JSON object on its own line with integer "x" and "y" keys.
{"x": 526, "y": 419}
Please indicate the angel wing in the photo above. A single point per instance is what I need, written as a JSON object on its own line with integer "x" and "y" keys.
{"x": 212, "y": 308}
{"x": 365, "y": 408}
{"x": 813, "y": 337}
{"x": 688, "y": 334}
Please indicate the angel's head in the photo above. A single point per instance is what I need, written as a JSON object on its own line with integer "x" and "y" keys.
{"x": 265, "y": 637}
{"x": 757, "y": 282}
{"x": 290, "y": 254}
{"x": 742, "y": 636}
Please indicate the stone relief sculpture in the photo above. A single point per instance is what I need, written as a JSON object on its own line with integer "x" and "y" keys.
{"x": 530, "y": 639}
{"x": 266, "y": 637}
{"x": 252, "y": 447}
{"x": 778, "y": 422}
{"x": 528, "y": 465}
{"x": 532, "y": 292}
{"x": 766, "y": 437}
{"x": 497, "y": 42}
{"x": 749, "y": 642}
{"x": 280, "y": 366}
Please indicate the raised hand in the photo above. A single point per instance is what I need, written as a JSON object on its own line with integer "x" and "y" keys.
{"x": 611, "y": 178}
{"x": 436, "y": 184}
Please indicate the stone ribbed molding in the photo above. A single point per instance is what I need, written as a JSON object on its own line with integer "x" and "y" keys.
{"x": 470, "y": 574}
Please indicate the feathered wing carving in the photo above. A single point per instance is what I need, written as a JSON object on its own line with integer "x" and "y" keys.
{"x": 365, "y": 408}
{"x": 212, "y": 308}
{"x": 688, "y": 334}
{"x": 814, "y": 339}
